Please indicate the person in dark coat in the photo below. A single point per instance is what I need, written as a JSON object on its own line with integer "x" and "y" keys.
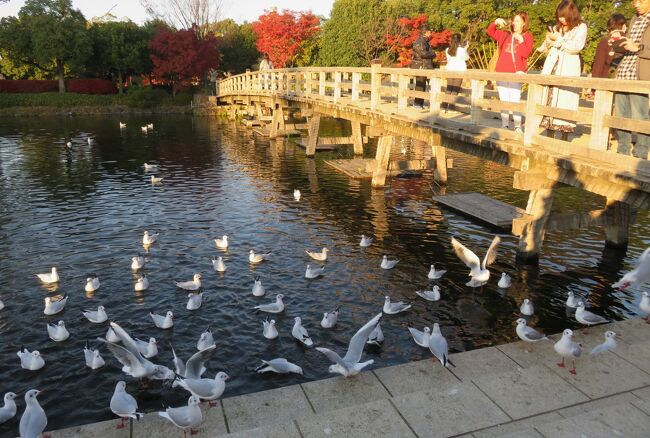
{"x": 423, "y": 56}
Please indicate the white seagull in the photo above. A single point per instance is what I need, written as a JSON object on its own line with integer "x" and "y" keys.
{"x": 150, "y": 167}
{"x": 258, "y": 289}
{"x": 55, "y": 304}
{"x": 195, "y": 365}
{"x": 92, "y": 283}
{"x": 149, "y": 239}
{"x": 279, "y": 365}
{"x": 8, "y": 411}
{"x": 430, "y": 295}
{"x": 156, "y": 179}
{"x": 143, "y": 128}
{"x": 269, "y": 331}
{"x": 218, "y": 264}
{"x": 142, "y": 283}
{"x": 571, "y": 300}
{"x": 565, "y": 347}
{"x": 33, "y": 420}
{"x": 528, "y": 334}
{"x": 300, "y": 333}
{"x": 259, "y": 257}
{"x": 148, "y": 349}
{"x": 276, "y": 307}
{"x": 137, "y": 263}
{"x": 122, "y": 125}
{"x": 206, "y": 389}
{"x": 319, "y": 256}
{"x": 221, "y": 243}
{"x": 349, "y": 364}
{"x": 185, "y": 417}
{"x": 314, "y": 272}
{"x": 505, "y": 281}
{"x": 96, "y": 316}
{"x": 194, "y": 301}
{"x": 296, "y": 195}
{"x": 206, "y": 340}
{"x": 93, "y": 359}
{"x": 376, "y": 337}
{"x": 50, "y": 277}
{"x": 163, "y": 322}
{"x": 150, "y": 126}
{"x": 586, "y": 317}
{"x": 479, "y": 272}
{"x": 194, "y": 284}
{"x": 123, "y": 404}
{"x": 421, "y": 337}
{"x": 388, "y": 264}
{"x": 394, "y": 308}
{"x": 330, "y": 318}
{"x": 438, "y": 346}
{"x": 30, "y": 360}
{"x": 365, "y": 241}
{"x": 644, "y": 305}
{"x": 608, "y": 345}
{"x": 58, "y": 332}
{"x": 111, "y": 336}
{"x": 527, "y": 307}
{"x": 435, "y": 275}
{"x": 639, "y": 275}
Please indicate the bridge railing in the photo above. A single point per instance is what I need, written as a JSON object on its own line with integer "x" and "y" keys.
{"x": 393, "y": 89}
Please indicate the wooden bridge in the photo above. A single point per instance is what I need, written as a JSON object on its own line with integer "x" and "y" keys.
{"x": 380, "y": 102}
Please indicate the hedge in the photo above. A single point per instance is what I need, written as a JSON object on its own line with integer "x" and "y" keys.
{"x": 90, "y": 86}
{"x": 28, "y": 86}
{"x": 82, "y": 86}
{"x": 135, "y": 98}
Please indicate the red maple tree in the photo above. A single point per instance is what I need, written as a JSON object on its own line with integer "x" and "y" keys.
{"x": 407, "y": 32}
{"x": 280, "y": 35}
{"x": 179, "y": 56}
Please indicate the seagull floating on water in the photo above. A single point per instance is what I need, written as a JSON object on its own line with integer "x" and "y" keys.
{"x": 185, "y": 417}
{"x": 269, "y": 331}
{"x": 33, "y": 420}
{"x": 330, "y": 318}
{"x": 122, "y": 125}
{"x": 300, "y": 333}
{"x": 258, "y": 289}
{"x": 365, "y": 241}
{"x": 148, "y": 349}
{"x": 156, "y": 179}
{"x": 137, "y": 263}
{"x": 93, "y": 359}
{"x": 527, "y": 307}
{"x": 276, "y": 307}
{"x": 505, "y": 281}
{"x": 57, "y": 332}
{"x": 92, "y": 283}
{"x": 479, "y": 272}
{"x": 150, "y": 167}
{"x": 608, "y": 345}
{"x": 435, "y": 275}
{"x": 163, "y": 322}
{"x": 206, "y": 389}
{"x": 388, "y": 264}
{"x": 438, "y": 346}
{"x": 149, "y": 238}
{"x": 565, "y": 347}
{"x": 96, "y": 316}
{"x": 430, "y": 295}
{"x": 142, "y": 283}
{"x": 123, "y": 404}
{"x": 421, "y": 337}
{"x": 349, "y": 364}
{"x": 257, "y": 258}
{"x": 571, "y": 300}
{"x": 30, "y": 360}
{"x": 218, "y": 264}
{"x": 279, "y": 365}
{"x": 206, "y": 340}
{"x": 111, "y": 336}
{"x": 50, "y": 277}
{"x": 639, "y": 275}
{"x": 391, "y": 308}
{"x": 319, "y": 256}
{"x": 8, "y": 411}
{"x": 195, "y": 365}
{"x": 194, "y": 284}
{"x": 55, "y": 304}
{"x": 528, "y": 334}
{"x": 296, "y": 195}
{"x": 376, "y": 337}
{"x": 194, "y": 301}
{"x": 314, "y": 272}
{"x": 221, "y": 243}
{"x": 586, "y": 317}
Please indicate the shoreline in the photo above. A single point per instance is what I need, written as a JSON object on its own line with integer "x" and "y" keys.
{"x": 36, "y": 111}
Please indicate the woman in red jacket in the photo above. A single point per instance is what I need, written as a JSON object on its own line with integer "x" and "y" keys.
{"x": 514, "y": 48}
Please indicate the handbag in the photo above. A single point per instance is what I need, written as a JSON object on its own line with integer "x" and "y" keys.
{"x": 492, "y": 65}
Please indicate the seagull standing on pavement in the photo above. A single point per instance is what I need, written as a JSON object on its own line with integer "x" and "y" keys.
{"x": 608, "y": 345}
{"x": 566, "y": 348}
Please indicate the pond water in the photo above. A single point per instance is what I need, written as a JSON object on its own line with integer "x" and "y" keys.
{"x": 84, "y": 210}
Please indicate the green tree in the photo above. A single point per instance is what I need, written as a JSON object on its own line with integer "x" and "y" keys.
{"x": 49, "y": 35}
{"x": 237, "y": 45}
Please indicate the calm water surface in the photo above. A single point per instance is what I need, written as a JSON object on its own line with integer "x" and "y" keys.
{"x": 85, "y": 210}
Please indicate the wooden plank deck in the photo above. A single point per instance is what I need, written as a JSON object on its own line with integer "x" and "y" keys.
{"x": 362, "y": 168}
{"x": 496, "y": 213}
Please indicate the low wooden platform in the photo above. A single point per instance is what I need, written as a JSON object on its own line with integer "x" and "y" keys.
{"x": 362, "y": 168}
{"x": 488, "y": 210}
{"x": 264, "y": 131}
{"x": 302, "y": 142}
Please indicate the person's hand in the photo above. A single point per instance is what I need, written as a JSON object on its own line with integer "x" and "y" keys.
{"x": 553, "y": 36}
{"x": 518, "y": 38}
{"x": 630, "y": 45}
{"x": 500, "y": 22}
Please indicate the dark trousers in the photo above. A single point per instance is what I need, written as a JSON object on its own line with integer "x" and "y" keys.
{"x": 453, "y": 88}
{"x": 420, "y": 85}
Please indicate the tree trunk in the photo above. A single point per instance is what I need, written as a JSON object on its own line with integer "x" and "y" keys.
{"x": 60, "y": 75}
{"x": 120, "y": 82}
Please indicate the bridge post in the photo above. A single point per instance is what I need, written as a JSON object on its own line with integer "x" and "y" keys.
{"x": 356, "y": 78}
{"x": 440, "y": 175}
{"x": 535, "y": 92}
{"x": 277, "y": 122}
{"x": 532, "y": 236}
{"x": 476, "y": 110}
{"x": 434, "y": 92}
{"x": 357, "y": 139}
{"x": 375, "y": 83}
{"x": 618, "y": 223}
{"x": 321, "y": 83}
{"x": 402, "y": 98}
{"x": 312, "y": 141}
{"x": 337, "y": 86}
{"x": 381, "y": 161}
{"x": 308, "y": 83}
{"x": 599, "y": 129}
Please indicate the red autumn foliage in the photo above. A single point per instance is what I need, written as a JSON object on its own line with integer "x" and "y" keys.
{"x": 281, "y": 35}
{"x": 179, "y": 56}
{"x": 90, "y": 86}
{"x": 408, "y": 31}
{"x": 28, "y": 86}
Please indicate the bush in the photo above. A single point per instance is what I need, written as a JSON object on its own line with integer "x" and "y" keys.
{"x": 91, "y": 86}
{"x": 144, "y": 97}
{"x": 28, "y": 86}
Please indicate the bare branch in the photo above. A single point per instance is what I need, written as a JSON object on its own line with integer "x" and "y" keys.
{"x": 185, "y": 13}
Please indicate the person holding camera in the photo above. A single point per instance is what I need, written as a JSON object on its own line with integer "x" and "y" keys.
{"x": 515, "y": 45}
{"x": 457, "y": 57}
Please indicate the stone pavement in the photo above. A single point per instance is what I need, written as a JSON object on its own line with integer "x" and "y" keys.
{"x": 503, "y": 391}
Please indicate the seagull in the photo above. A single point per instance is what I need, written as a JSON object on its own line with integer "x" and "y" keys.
{"x": 221, "y": 243}
{"x": 258, "y": 289}
{"x": 639, "y": 275}
{"x": 318, "y": 256}
{"x": 300, "y": 333}
{"x": 206, "y": 340}
{"x": 505, "y": 281}
{"x": 608, "y": 345}
{"x": 156, "y": 179}
{"x": 97, "y": 316}
{"x": 123, "y": 404}
{"x": 137, "y": 263}
{"x": 142, "y": 283}
{"x": 90, "y": 140}
{"x": 394, "y": 308}
{"x": 111, "y": 336}
{"x": 571, "y": 300}
{"x": 150, "y": 126}
{"x": 193, "y": 284}
{"x": 185, "y": 417}
{"x": 276, "y": 307}
{"x": 148, "y": 349}
{"x": 2, "y": 305}
{"x": 528, "y": 334}
{"x": 194, "y": 301}
{"x": 143, "y": 129}
{"x": 55, "y": 304}
{"x": 92, "y": 283}
{"x": 69, "y": 144}
{"x": 30, "y": 360}
{"x": 365, "y": 241}
{"x": 280, "y": 366}
{"x": 349, "y": 365}
{"x": 421, "y": 338}
{"x": 330, "y": 318}
{"x": 49, "y": 278}
{"x": 435, "y": 275}
{"x": 206, "y": 389}
{"x": 195, "y": 365}
{"x": 33, "y": 420}
{"x": 644, "y": 305}
{"x": 479, "y": 272}
{"x": 149, "y": 239}
{"x": 122, "y": 125}
{"x": 565, "y": 347}
{"x": 430, "y": 295}
{"x": 527, "y": 308}
{"x": 438, "y": 346}
{"x": 314, "y": 272}
{"x": 93, "y": 359}
{"x": 257, "y": 258}
{"x": 376, "y": 337}
{"x": 163, "y": 322}
{"x": 586, "y": 317}
{"x": 388, "y": 264}
{"x": 296, "y": 195}
{"x": 150, "y": 167}
{"x": 58, "y": 332}
{"x": 218, "y": 264}
{"x": 268, "y": 329}
{"x": 8, "y": 411}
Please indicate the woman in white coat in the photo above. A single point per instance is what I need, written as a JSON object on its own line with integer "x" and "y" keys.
{"x": 457, "y": 57}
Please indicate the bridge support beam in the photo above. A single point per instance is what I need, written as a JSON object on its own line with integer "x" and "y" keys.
{"x": 532, "y": 236}
{"x": 277, "y": 122}
{"x": 381, "y": 161}
{"x": 312, "y": 141}
{"x": 357, "y": 138}
{"x": 440, "y": 175}
{"x": 618, "y": 215}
